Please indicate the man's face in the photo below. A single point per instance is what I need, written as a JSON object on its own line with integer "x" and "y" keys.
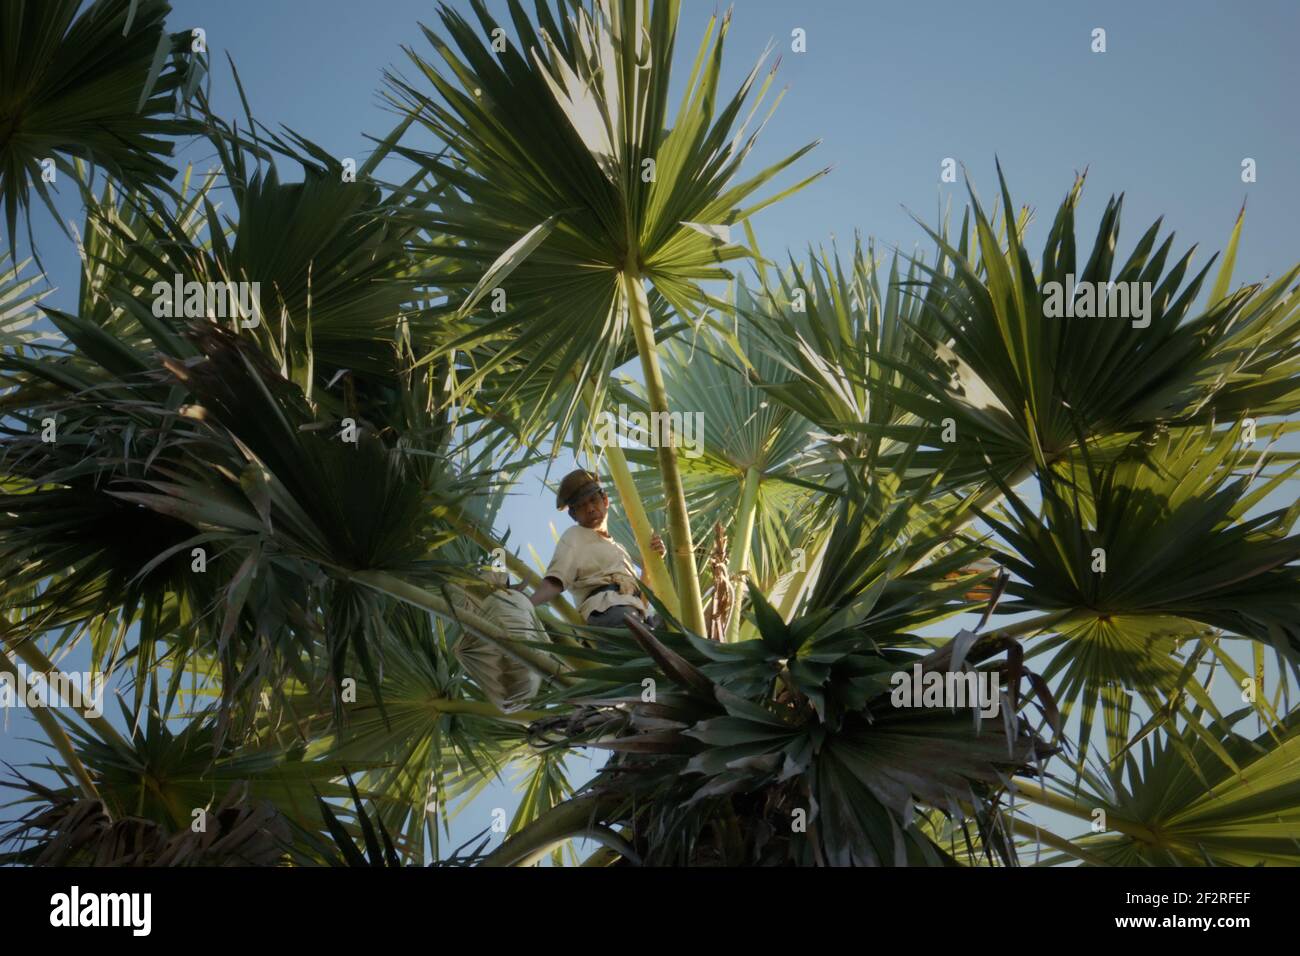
{"x": 591, "y": 512}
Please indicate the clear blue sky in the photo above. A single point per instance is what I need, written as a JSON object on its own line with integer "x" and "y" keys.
{"x": 1166, "y": 115}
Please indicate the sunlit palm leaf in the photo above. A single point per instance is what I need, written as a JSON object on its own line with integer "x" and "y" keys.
{"x": 18, "y": 303}
{"x": 1162, "y": 811}
{"x": 563, "y": 123}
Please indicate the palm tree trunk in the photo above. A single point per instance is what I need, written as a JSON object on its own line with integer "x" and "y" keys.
{"x": 742, "y": 530}
{"x": 661, "y": 583}
{"x": 688, "y": 578}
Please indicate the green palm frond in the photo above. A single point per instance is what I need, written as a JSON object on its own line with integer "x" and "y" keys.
{"x": 100, "y": 84}
{"x": 1238, "y": 356}
{"x": 118, "y": 249}
{"x": 836, "y": 337}
{"x": 570, "y": 126}
{"x": 1176, "y": 803}
{"x": 170, "y": 776}
{"x": 18, "y": 303}
{"x": 1171, "y": 536}
{"x": 334, "y": 277}
{"x": 66, "y": 831}
{"x": 1155, "y": 553}
{"x": 434, "y": 740}
{"x": 545, "y": 785}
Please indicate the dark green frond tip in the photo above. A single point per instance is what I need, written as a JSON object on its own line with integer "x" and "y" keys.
{"x": 95, "y": 85}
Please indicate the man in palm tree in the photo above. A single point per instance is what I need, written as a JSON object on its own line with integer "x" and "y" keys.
{"x": 590, "y": 563}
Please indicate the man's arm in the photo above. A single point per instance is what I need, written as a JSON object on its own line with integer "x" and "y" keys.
{"x": 550, "y": 588}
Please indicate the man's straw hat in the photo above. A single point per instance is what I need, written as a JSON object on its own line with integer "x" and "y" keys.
{"x": 576, "y": 487}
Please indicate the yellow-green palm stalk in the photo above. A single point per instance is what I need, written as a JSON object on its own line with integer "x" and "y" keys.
{"x": 746, "y": 459}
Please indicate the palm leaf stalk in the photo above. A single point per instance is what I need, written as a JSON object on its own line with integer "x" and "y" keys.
{"x": 1037, "y": 835}
{"x": 738, "y": 560}
{"x": 751, "y": 470}
{"x": 45, "y": 717}
{"x": 27, "y": 651}
{"x": 679, "y": 522}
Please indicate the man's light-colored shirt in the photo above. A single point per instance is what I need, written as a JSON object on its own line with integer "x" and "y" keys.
{"x": 585, "y": 560}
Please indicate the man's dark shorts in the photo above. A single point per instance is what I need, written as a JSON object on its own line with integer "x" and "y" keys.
{"x": 616, "y": 616}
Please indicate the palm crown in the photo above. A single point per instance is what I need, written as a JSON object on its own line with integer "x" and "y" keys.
{"x": 272, "y": 533}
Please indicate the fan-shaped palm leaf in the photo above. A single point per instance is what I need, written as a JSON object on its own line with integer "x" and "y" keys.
{"x": 17, "y": 303}
{"x": 1163, "y": 809}
{"x": 1123, "y": 373}
{"x": 89, "y": 83}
